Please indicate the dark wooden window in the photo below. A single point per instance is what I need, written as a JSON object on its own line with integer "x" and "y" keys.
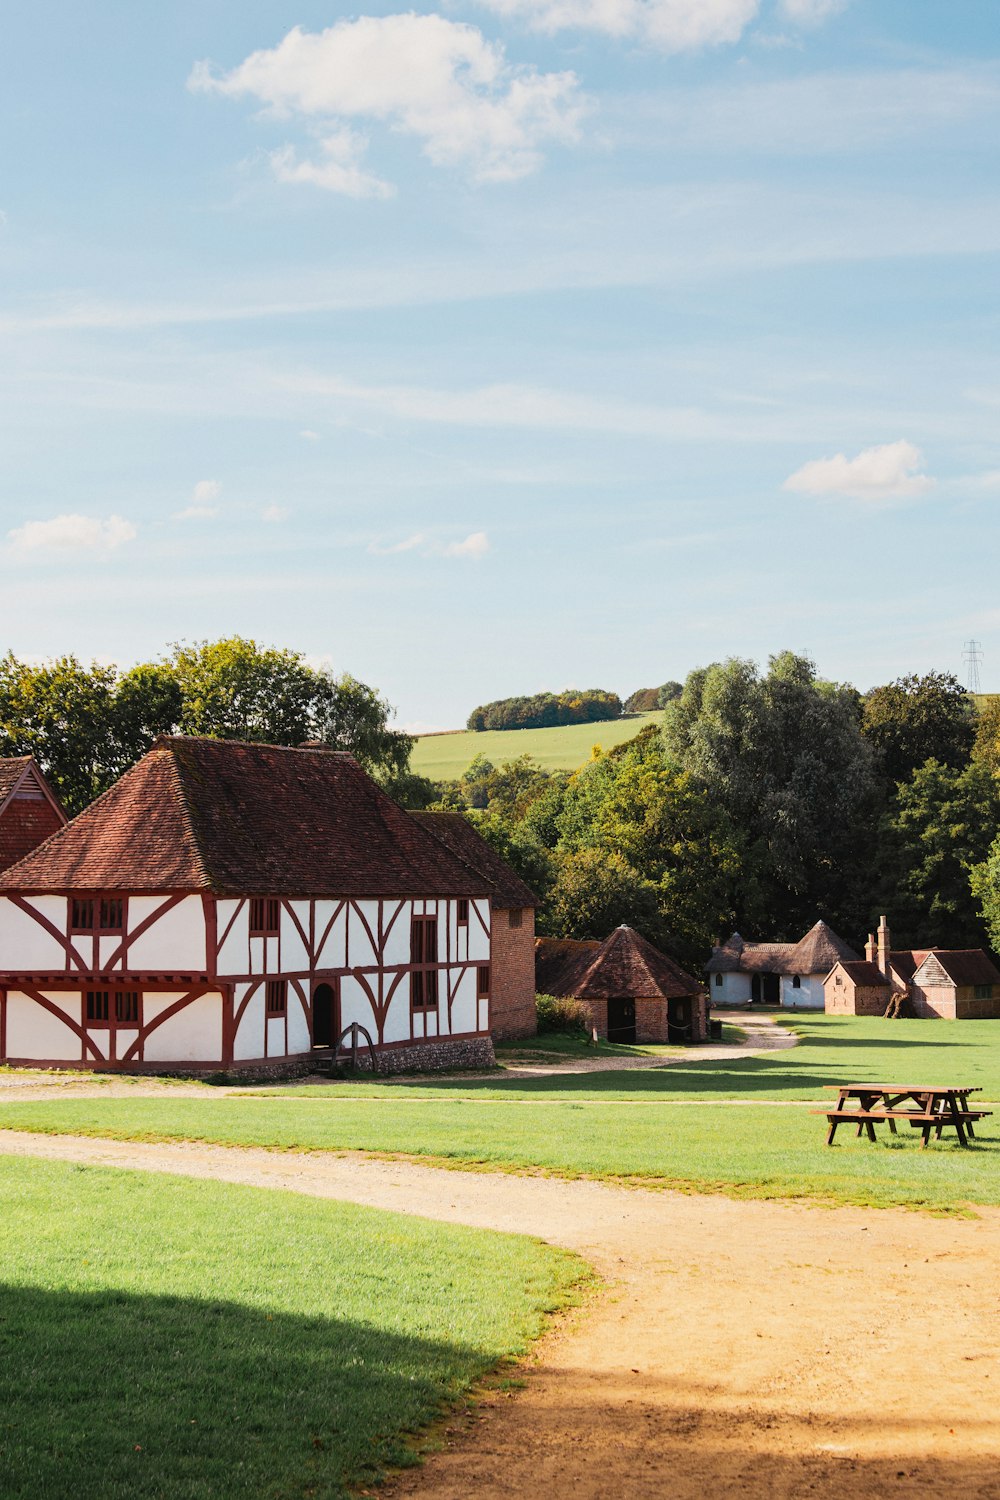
{"x": 112, "y": 1007}
{"x": 796, "y": 982}
{"x": 81, "y": 914}
{"x": 423, "y": 954}
{"x": 463, "y": 911}
{"x": 482, "y": 981}
{"x": 127, "y": 1007}
{"x": 984, "y": 992}
{"x": 516, "y": 916}
{"x": 265, "y": 915}
{"x": 839, "y": 981}
{"x": 277, "y": 997}
{"x": 111, "y": 917}
{"x": 718, "y": 979}
{"x": 97, "y": 914}
{"x": 98, "y": 1005}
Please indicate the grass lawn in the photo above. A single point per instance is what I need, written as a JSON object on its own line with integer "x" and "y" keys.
{"x": 738, "y": 1125}
{"x": 444, "y": 757}
{"x": 163, "y": 1337}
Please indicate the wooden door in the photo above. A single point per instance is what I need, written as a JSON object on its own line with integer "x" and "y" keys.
{"x": 679, "y": 1020}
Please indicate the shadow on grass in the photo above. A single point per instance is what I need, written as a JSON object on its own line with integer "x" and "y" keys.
{"x": 110, "y": 1394}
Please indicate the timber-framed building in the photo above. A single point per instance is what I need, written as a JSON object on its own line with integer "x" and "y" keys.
{"x": 237, "y": 906}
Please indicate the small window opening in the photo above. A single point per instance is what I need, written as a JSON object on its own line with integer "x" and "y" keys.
{"x": 97, "y": 1005}
{"x": 127, "y": 1007}
{"x": 265, "y": 916}
{"x": 482, "y": 982}
{"x": 423, "y": 954}
{"x": 516, "y": 916}
{"x": 718, "y": 981}
{"x": 277, "y": 997}
{"x": 796, "y": 982}
{"x": 81, "y": 917}
{"x": 463, "y": 911}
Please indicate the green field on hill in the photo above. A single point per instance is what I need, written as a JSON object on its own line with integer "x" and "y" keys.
{"x": 444, "y": 757}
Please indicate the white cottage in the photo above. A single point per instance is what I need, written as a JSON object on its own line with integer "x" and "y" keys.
{"x": 790, "y": 974}
{"x": 230, "y": 905}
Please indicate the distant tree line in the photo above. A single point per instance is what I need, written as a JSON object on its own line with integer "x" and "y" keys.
{"x": 766, "y": 800}
{"x": 87, "y": 724}
{"x": 648, "y": 700}
{"x": 547, "y": 710}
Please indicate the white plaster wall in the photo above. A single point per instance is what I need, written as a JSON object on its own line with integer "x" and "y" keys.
{"x": 123, "y": 1041}
{"x": 734, "y": 989}
{"x": 484, "y": 1015}
{"x": 479, "y": 942}
{"x": 299, "y": 1039}
{"x": 175, "y": 942}
{"x": 194, "y": 1034}
{"x": 24, "y": 945}
{"x": 809, "y": 995}
{"x": 397, "y": 1022}
{"x": 250, "y": 1036}
{"x": 355, "y": 1006}
{"x": 233, "y": 957}
{"x": 276, "y": 1036}
{"x": 465, "y": 1007}
{"x": 294, "y": 956}
{"x": 34, "y": 1032}
{"x": 360, "y": 950}
{"x": 397, "y": 947}
{"x": 106, "y": 949}
{"x": 331, "y": 954}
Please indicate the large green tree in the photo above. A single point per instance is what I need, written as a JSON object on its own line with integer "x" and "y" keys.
{"x": 916, "y": 719}
{"x": 62, "y": 712}
{"x": 783, "y": 755}
{"x": 941, "y": 824}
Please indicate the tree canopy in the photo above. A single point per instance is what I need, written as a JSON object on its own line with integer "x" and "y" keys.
{"x": 916, "y": 719}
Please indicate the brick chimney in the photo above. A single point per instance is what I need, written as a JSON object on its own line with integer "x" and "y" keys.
{"x": 870, "y": 949}
{"x": 883, "y": 960}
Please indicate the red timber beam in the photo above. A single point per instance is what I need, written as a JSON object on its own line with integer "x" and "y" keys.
{"x": 220, "y": 942}
{"x": 120, "y": 954}
{"x": 62, "y": 938}
{"x": 287, "y": 906}
{"x": 86, "y": 1041}
{"x": 136, "y": 1051}
{"x": 314, "y": 956}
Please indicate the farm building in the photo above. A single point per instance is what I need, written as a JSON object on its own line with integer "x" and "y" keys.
{"x": 955, "y": 984}
{"x": 238, "y": 905}
{"x": 512, "y": 925}
{"x": 633, "y": 992}
{"x": 29, "y": 809}
{"x": 791, "y": 974}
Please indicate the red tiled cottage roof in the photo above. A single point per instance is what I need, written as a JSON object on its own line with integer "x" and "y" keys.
{"x": 235, "y": 818}
{"x": 462, "y": 839}
{"x": 29, "y": 811}
{"x": 625, "y": 965}
{"x": 863, "y": 972}
{"x": 966, "y": 966}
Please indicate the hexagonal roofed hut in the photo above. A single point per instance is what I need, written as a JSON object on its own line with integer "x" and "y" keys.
{"x": 633, "y": 991}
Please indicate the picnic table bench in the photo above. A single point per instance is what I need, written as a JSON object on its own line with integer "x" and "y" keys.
{"x": 925, "y": 1109}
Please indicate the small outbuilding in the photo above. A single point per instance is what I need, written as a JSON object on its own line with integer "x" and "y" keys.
{"x": 633, "y": 992}
{"x": 790, "y": 974}
{"x": 953, "y": 984}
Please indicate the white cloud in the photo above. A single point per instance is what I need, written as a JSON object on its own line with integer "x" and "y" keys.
{"x": 205, "y": 491}
{"x": 337, "y": 168}
{"x": 476, "y": 544}
{"x": 201, "y": 507}
{"x": 71, "y": 533}
{"x": 407, "y": 545}
{"x": 812, "y": 12}
{"x": 889, "y": 472}
{"x": 668, "y": 25}
{"x": 309, "y": 435}
{"x": 438, "y": 80}
{"x": 274, "y": 514}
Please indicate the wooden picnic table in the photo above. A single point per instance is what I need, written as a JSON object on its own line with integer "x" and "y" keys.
{"x": 923, "y": 1107}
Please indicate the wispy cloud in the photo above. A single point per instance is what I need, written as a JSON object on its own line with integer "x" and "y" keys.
{"x": 889, "y": 472}
{"x": 202, "y": 508}
{"x": 668, "y": 25}
{"x": 309, "y": 436}
{"x": 437, "y": 80}
{"x": 273, "y": 515}
{"x": 475, "y": 545}
{"x": 70, "y": 533}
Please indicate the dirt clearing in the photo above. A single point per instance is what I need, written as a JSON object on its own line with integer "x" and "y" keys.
{"x": 750, "y": 1349}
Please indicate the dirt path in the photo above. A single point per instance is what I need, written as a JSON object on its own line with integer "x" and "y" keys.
{"x": 763, "y": 1350}
{"x": 763, "y": 1034}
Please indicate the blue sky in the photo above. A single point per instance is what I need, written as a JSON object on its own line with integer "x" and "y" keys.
{"x": 501, "y": 346}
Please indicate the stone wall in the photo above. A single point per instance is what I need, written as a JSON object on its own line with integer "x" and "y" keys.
{"x": 512, "y": 975}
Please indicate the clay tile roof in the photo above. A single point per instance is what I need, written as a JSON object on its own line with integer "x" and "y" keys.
{"x": 12, "y": 768}
{"x": 905, "y": 963}
{"x": 561, "y": 962}
{"x": 236, "y": 818}
{"x": 624, "y": 965}
{"x": 458, "y": 834}
{"x": 863, "y": 972}
{"x": 966, "y": 966}
{"x": 819, "y": 950}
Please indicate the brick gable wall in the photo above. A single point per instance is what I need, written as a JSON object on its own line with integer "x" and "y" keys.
{"x": 512, "y": 980}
